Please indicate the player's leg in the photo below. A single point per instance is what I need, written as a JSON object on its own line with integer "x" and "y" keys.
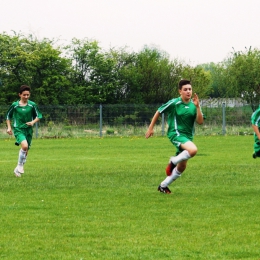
{"x": 19, "y": 168}
{"x": 176, "y": 173}
{"x": 20, "y": 136}
{"x": 185, "y": 150}
{"x": 22, "y": 156}
{"x": 189, "y": 149}
{"x": 169, "y": 168}
{"x": 29, "y": 135}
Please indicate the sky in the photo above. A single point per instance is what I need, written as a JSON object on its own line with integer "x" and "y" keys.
{"x": 194, "y": 31}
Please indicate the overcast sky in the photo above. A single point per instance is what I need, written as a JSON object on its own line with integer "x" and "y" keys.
{"x": 196, "y": 31}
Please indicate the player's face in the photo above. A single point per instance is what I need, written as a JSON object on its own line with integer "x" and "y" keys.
{"x": 186, "y": 92}
{"x": 24, "y": 96}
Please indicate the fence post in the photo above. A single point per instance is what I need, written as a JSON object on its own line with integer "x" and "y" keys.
{"x": 100, "y": 120}
{"x": 162, "y": 124}
{"x": 36, "y": 130}
{"x": 223, "y": 118}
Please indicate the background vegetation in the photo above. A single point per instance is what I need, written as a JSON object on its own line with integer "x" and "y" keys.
{"x": 82, "y": 73}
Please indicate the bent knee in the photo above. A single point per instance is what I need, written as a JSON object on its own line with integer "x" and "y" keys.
{"x": 24, "y": 145}
{"x": 191, "y": 148}
{"x": 192, "y": 151}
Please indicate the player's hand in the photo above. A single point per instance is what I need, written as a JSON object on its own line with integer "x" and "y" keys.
{"x": 196, "y": 100}
{"x": 9, "y": 131}
{"x": 149, "y": 133}
{"x": 30, "y": 123}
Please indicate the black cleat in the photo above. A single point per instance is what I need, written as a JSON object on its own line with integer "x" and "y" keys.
{"x": 164, "y": 190}
{"x": 254, "y": 156}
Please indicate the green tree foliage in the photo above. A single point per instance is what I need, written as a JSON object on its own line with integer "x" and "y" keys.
{"x": 92, "y": 74}
{"x": 26, "y": 60}
{"x": 50, "y": 73}
{"x": 82, "y": 73}
{"x": 244, "y": 75}
{"x": 126, "y": 77}
{"x": 200, "y": 79}
{"x": 157, "y": 76}
{"x": 219, "y": 82}
{"x": 13, "y": 66}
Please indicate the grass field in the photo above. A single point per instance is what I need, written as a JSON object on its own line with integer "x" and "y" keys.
{"x": 93, "y": 198}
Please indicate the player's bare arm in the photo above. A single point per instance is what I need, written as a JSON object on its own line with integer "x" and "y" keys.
{"x": 9, "y": 128}
{"x": 150, "y": 131}
{"x": 256, "y": 130}
{"x": 196, "y": 102}
{"x": 33, "y": 122}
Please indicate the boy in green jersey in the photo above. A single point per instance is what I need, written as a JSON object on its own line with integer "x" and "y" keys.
{"x": 23, "y": 113}
{"x": 182, "y": 113}
{"x": 255, "y": 120}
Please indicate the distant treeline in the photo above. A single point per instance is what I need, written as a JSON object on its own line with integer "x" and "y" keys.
{"x": 83, "y": 73}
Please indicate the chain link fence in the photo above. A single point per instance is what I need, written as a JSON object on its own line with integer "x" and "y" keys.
{"x": 223, "y": 117}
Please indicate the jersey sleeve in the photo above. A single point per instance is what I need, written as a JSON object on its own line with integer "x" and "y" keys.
{"x": 36, "y": 111}
{"x": 255, "y": 118}
{"x": 167, "y": 106}
{"x": 9, "y": 114}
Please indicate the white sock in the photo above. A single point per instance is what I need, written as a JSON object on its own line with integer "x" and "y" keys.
{"x": 183, "y": 156}
{"x": 24, "y": 160}
{"x": 21, "y": 157}
{"x": 169, "y": 179}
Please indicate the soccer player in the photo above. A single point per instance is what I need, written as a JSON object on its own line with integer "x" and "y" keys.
{"x": 255, "y": 120}
{"x": 23, "y": 113}
{"x": 182, "y": 113}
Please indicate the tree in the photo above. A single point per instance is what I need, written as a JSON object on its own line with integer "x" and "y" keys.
{"x": 127, "y": 87}
{"x": 12, "y": 67}
{"x": 219, "y": 82}
{"x": 200, "y": 79}
{"x": 92, "y": 78}
{"x": 26, "y": 60}
{"x": 244, "y": 75}
{"x": 157, "y": 76}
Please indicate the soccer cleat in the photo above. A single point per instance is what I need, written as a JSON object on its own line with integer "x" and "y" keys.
{"x": 20, "y": 169}
{"x": 16, "y": 172}
{"x": 164, "y": 190}
{"x": 254, "y": 156}
{"x": 169, "y": 168}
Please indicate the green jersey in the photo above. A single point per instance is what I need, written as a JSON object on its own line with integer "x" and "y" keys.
{"x": 20, "y": 115}
{"x": 181, "y": 117}
{"x": 255, "y": 118}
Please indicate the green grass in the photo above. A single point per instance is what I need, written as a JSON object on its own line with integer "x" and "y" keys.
{"x": 92, "y": 198}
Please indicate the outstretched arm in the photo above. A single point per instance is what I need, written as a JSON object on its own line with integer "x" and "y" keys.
{"x": 150, "y": 131}
{"x": 196, "y": 102}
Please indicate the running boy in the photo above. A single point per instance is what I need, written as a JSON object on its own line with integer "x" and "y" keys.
{"x": 182, "y": 113}
{"x": 255, "y": 120}
{"x": 24, "y": 113}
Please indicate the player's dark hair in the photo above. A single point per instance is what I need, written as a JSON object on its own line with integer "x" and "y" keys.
{"x": 24, "y": 88}
{"x": 184, "y": 82}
